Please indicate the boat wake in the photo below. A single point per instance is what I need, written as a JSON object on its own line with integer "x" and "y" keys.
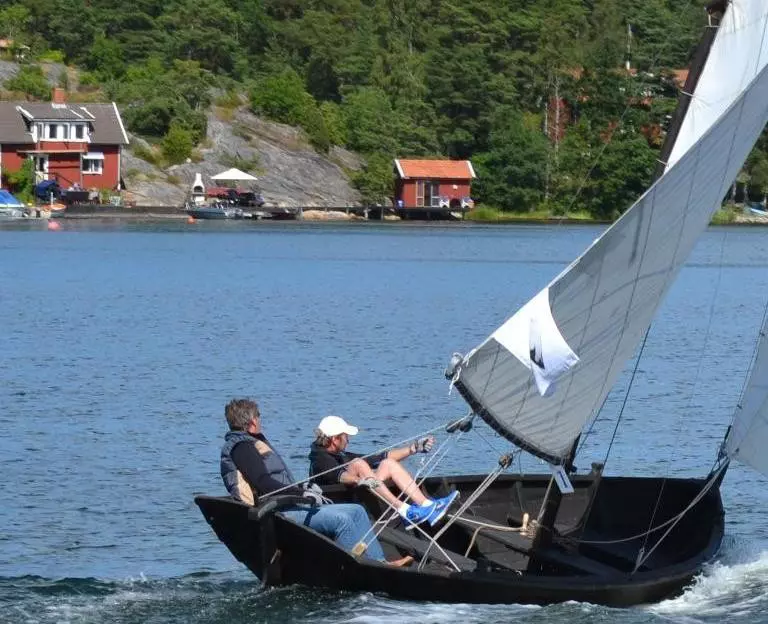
{"x": 734, "y": 588}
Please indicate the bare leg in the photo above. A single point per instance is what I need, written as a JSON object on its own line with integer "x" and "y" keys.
{"x": 361, "y": 470}
{"x": 390, "y": 469}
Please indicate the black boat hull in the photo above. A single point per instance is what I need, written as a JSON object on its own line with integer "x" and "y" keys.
{"x": 281, "y": 552}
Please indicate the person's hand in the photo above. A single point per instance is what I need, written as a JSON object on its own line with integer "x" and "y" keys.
{"x": 369, "y": 482}
{"x": 314, "y": 492}
{"x": 424, "y": 445}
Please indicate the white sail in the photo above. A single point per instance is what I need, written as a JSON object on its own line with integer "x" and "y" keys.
{"x": 604, "y": 302}
{"x": 748, "y": 436}
{"x": 738, "y": 54}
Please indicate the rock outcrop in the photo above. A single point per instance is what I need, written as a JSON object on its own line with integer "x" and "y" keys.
{"x": 291, "y": 173}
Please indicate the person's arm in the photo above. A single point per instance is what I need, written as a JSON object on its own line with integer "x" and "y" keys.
{"x": 325, "y": 463}
{"x": 251, "y": 464}
{"x": 399, "y": 454}
{"x": 424, "y": 445}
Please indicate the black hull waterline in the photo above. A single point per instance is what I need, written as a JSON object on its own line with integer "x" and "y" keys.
{"x": 599, "y": 532}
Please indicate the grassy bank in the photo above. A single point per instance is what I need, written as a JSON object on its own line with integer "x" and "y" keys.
{"x": 486, "y": 214}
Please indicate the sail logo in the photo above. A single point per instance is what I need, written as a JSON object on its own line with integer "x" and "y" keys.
{"x": 535, "y": 349}
{"x": 533, "y": 337}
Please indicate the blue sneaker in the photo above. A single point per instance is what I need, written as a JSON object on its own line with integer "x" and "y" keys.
{"x": 417, "y": 514}
{"x": 441, "y": 506}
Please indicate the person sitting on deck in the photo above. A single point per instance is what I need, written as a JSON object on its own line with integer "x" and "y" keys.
{"x": 330, "y": 463}
{"x": 251, "y": 467}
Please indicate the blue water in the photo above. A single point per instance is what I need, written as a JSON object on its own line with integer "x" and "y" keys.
{"x": 121, "y": 342}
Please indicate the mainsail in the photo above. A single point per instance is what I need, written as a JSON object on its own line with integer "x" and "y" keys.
{"x": 576, "y": 335}
{"x": 738, "y": 54}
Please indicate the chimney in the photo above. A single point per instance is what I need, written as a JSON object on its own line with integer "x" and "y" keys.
{"x": 59, "y": 96}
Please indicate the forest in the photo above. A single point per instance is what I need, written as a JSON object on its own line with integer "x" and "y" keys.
{"x": 561, "y": 105}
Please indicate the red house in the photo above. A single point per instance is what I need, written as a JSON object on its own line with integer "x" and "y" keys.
{"x": 74, "y": 144}
{"x": 433, "y": 185}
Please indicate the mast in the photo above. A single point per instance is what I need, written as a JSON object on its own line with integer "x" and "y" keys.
{"x": 546, "y": 525}
{"x": 715, "y": 11}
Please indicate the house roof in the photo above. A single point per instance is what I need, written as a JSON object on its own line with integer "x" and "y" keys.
{"x": 105, "y": 120}
{"x": 444, "y": 169}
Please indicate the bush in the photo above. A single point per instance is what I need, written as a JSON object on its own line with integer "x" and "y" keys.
{"x": 51, "y": 56}
{"x": 230, "y": 99}
{"x": 155, "y": 118}
{"x": 335, "y": 123}
{"x": 22, "y": 182}
{"x": 236, "y": 161}
{"x": 283, "y": 98}
{"x": 147, "y": 154}
{"x": 375, "y": 180}
{"x": 31, "y": 80}
{"x": 177, "y": 144}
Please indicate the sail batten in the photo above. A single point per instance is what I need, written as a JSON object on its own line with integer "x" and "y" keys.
{"x": 603, "y": 303}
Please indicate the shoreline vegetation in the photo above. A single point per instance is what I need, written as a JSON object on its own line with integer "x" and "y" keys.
{"x": 540, "y": 95}
{"x": 731, "y": 214}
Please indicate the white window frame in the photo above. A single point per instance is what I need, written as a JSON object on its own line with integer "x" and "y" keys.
{"x": 97, "y": 168}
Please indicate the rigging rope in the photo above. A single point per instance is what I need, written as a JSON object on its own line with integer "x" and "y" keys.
{"x": 642, "y": 555}
{"x": 390, "y": 512}
{"x": 504, "y": 463}
{"x": 705, "y": 343}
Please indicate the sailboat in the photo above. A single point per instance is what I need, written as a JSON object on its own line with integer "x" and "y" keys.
{"x": 542, "y": 376}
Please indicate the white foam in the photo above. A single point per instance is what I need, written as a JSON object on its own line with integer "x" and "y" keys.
{"x": 725, "y": 589}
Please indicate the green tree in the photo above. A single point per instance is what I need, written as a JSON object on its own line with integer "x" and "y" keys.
{"x": 22, "y": 182}
{"x": 376, "y": 180}
{"x": 511, "y": 175}
{"x": 14, "y": 22}
{"x": 177, "y": 144}
{"x": 369, "y": 120}
{"x": 335, "y": 124}
{"x": 619, "y": 176}
{"x": 281, "y": 97}
{"x": 106, "y": 58}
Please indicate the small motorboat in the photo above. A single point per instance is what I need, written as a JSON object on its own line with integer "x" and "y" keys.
{"x": 214, "y": 210}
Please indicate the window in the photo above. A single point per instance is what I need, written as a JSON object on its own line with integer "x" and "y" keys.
{"x": 93, "y": 162}
{"x": 427, "y": 193}
{"x": 79, "y": 131}
{"x": 41, "y": 164}
{"x": 431, "y": 193}
{"x": 52, "y": 131}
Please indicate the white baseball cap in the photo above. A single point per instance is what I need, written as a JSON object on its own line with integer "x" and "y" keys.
{"x": 336, "y": 425}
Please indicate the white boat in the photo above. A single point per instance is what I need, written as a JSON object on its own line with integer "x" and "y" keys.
{"x": 10, "y": 207}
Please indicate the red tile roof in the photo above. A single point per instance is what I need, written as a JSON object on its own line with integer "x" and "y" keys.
{"x": 443, "y": 169}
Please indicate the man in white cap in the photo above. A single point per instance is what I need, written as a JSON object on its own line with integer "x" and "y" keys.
{"x": 329, "y": 459}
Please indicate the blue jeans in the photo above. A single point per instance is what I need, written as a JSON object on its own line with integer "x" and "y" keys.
{"x": 344, "y": 523}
